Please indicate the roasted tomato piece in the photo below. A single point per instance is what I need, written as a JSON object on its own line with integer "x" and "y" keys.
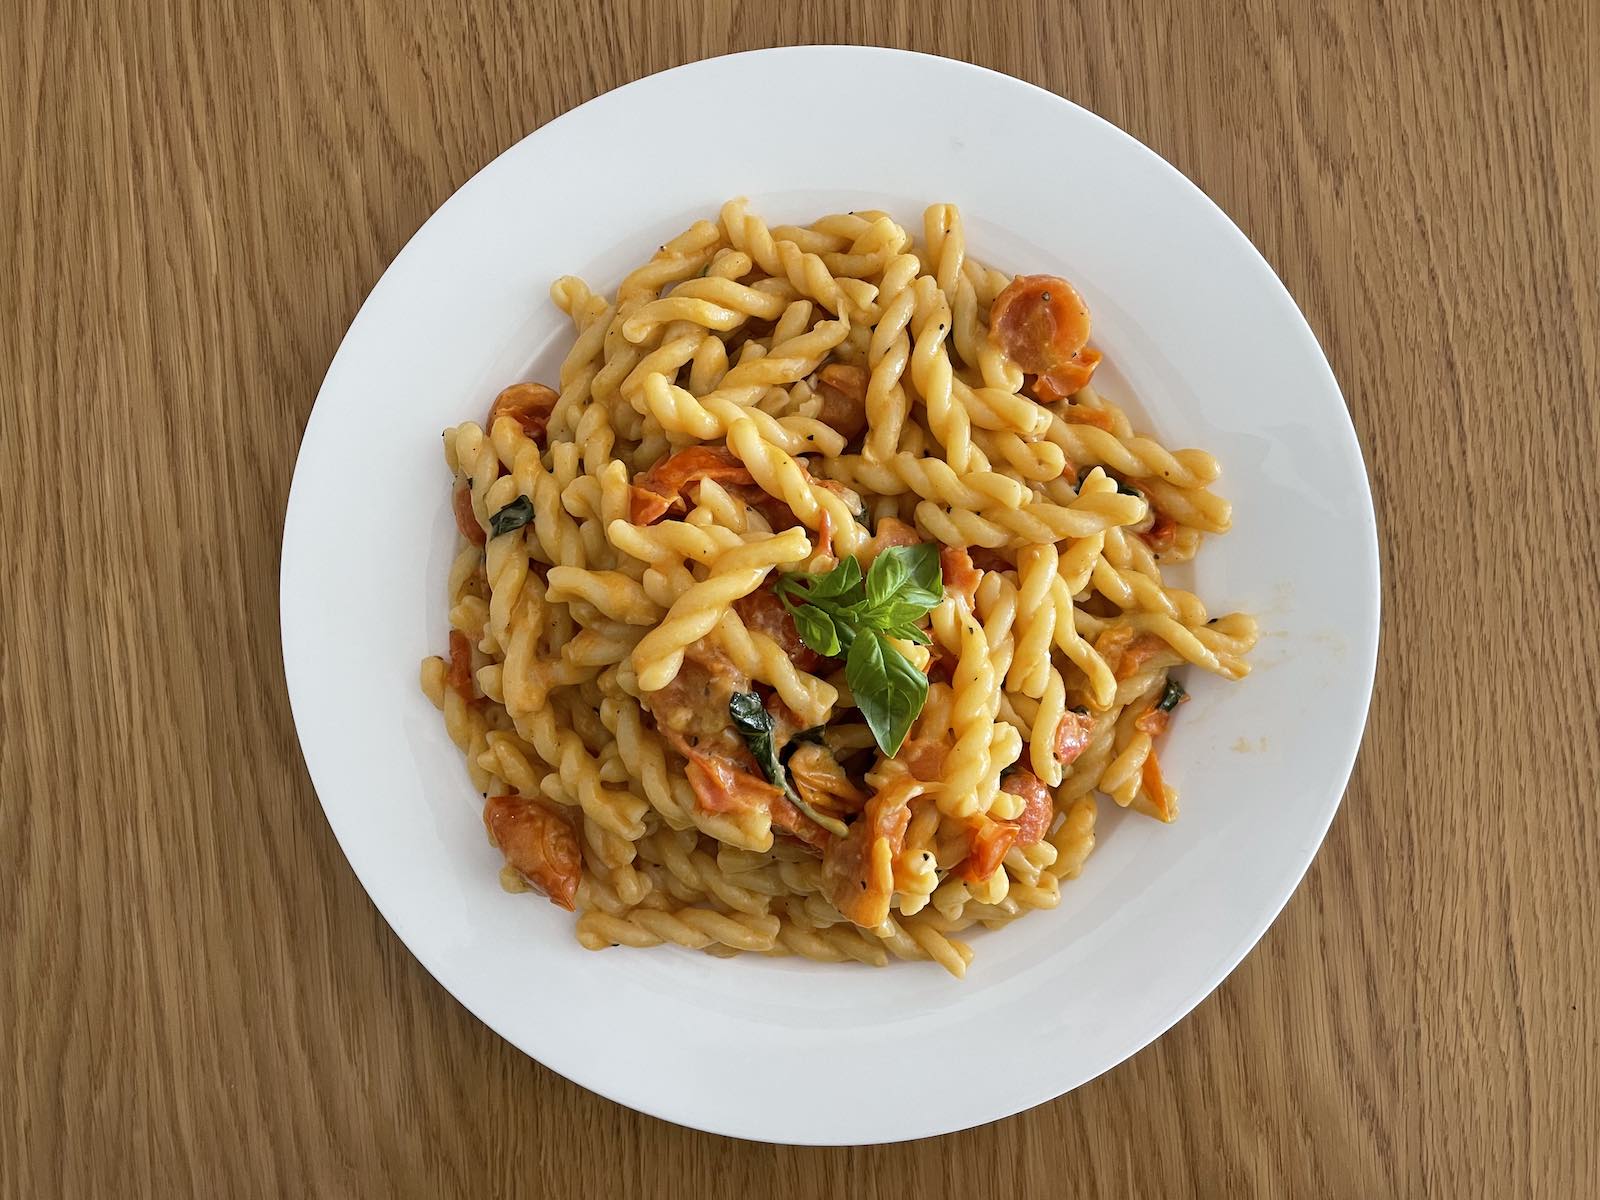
{"x": 1037, "y": 809}
{"x": 723, "y": 784}
{"x": 466, "y": 519}
{"x": 460, "y": 675}
{"x": 961, "y": 575}
{"x": 528, "y": 404}
{"x": 1140, "y": 651}
{"x": 539, "y": 843}
{"x": 660, "y": 489}
{"x": 988, "y": 841}
{"x": 843, "y": 388}
{"x": 1161, "y": 534}
{"x": 1072, "y": 736}
{"x": 858, "y": 869}
{"x": 1068, "y": 379}
{"x": 1040, "y": 322}
{"x": 762, "y": 612}
{"x": 891, "y": 531}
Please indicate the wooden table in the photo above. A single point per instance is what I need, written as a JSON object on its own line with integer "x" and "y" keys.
{"x": 198, "y": 998}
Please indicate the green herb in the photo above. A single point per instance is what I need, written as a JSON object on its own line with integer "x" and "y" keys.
{"x": 888, "y": 690}
{"x": 512, "y": 517}
{"x": 755, "y": 725}
{"x": 843, "y": 613}
{"x": 1172, "y": 697}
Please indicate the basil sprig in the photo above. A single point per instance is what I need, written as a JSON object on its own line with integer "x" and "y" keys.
{"x": 845, "y": 613}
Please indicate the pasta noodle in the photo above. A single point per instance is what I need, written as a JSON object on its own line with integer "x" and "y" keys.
{"x": 812, "y": 610}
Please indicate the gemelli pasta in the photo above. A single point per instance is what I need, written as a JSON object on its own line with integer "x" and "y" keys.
{"x": 814, "y": 605}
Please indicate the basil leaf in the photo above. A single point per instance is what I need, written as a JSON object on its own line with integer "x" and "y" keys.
{"x": 512, "y": 517}
{"x": 837, "y": 583}
{"x": 897, "y": 612}
{"x": 923, "y": 579}
{"x": 886, "y": 576}
{"x": 750, "y": 716}
{"x": 816, "y": 628}
{"x": 754, "y": 723}
{"x": 910, "y": 633}
{"x": 888, "y": 690}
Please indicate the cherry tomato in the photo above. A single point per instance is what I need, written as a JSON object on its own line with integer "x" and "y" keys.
{"x": 528, "y": 404}
{"x": 1040, "y": 322}
{"x": 539, "y": 843}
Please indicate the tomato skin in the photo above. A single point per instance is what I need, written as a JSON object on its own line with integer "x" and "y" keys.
{"x": 1038, "y": 807}
{"x": 1072, "y": 736}
{"x": 1040, "y": 322}
{"x": 843, "y": 388}
{"x": 660, "y": 489}
{"x": 528, "y": 404}
{"x": 1125, "y": 651}
{"x": 722, "y": 786}
{"x": 539, "y": 843}
{"x": 858, "y": 869}
{"x": 466, "y": 519}
{"x": 1161, "y": 534}
{"x": 961, "y": 575}
{"x": 924, "y": 757}
{"x": 1068, "y": 379}
{"x": 762, "y": 612}
{"x": 890, "y": 531}
{"x": 1156, "y": 789}
{"x": 1142, "y": 649}
{"x": 459, "y": 677}
{"x": 988, "y": 842}
{"x": 1152, "y": 721}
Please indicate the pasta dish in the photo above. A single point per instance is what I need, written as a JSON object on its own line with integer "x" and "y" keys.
{"x": 812, "y": 607}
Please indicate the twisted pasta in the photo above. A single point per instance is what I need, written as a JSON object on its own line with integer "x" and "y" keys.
{"x": 930, "y": 478}
{"x": 738, "y": 572}
{"x": 1036, "y": 522}
{"x": 700, "y": 639}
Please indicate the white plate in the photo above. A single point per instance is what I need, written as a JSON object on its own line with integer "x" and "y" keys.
{"x": 1206, "y": 347}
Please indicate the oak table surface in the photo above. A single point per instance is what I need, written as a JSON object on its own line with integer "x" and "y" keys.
{"x": 196, "y": 997}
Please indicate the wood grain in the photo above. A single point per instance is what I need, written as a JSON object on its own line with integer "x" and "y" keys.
{"x": 197, "y": 997}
